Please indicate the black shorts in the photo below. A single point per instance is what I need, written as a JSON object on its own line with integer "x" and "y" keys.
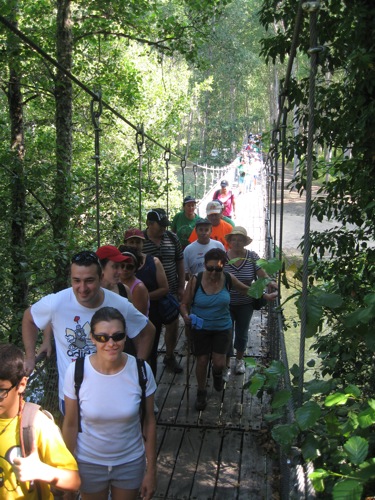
{"x": 208, "y": 341}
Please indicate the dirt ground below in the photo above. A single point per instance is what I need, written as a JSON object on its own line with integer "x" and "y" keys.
{"x": 294, "y": 221}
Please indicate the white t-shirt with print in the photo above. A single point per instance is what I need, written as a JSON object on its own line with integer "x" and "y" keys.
{"x": 71, "y": 324}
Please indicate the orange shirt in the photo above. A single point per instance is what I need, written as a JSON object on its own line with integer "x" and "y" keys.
{"x": 218, "y": 233}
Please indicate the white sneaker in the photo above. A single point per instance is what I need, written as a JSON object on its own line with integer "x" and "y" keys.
{"x": 240, "y": 366}
{"x": 226, "y": 374}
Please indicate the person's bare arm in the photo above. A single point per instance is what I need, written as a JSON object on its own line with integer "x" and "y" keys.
{"x": 161, "y": 279}
{"x": 148, "y": 486}
{"x": 187, "y": 299}
{"x": 144, "y": 341}
{"x": 181, "y": 278}
{"x": 46, "y": 345}
{"x": 243, "y": 289}
{"x": 140, "y": 298}
{"x": 29, "y": 337}
{"x": 70, "y": 424}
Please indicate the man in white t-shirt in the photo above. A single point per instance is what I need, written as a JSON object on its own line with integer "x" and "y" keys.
{"x": 195, "y": 252}
{"x": 70, "y": 311}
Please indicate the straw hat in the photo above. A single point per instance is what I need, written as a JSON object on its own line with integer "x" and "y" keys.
{"x": 241, "y": 231}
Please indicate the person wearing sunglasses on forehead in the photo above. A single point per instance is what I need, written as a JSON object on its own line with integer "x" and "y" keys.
{"x": 114, "y": 453}
{"x": 210, "y": 303}
{"x": 70, "y": 311}
{"x": 140, "y": 297}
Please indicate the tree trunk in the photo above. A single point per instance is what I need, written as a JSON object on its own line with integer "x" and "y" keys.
{"x": 19, "y": 281}
{"x": 63, "y": 120}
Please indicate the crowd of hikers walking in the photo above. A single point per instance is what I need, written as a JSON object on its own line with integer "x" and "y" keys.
{"x": 106, "y": 329}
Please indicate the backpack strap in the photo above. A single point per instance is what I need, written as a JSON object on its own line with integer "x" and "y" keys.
{"x": 122, "y": 290}
{"x": 142, "y": 377}
{"x": 78, "y": 378}
{"x": 27, "y": 437}
{"x": 228, "y": 280}
{"x": 198, "y": 281}
{"x": 216, "y": 194}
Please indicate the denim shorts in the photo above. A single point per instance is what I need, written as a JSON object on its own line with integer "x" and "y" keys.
{"x": 96, "y": 478}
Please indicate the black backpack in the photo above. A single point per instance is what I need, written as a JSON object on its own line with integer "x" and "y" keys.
{"x": 142, "y": 376}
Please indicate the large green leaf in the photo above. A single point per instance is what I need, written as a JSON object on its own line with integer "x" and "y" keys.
{"x": 347, "y": 489}
{"x": 331, "y": 300}
{"x": 276, "y": 368}
{"x": 317, "y": 478}
{"x": 366, "y": 418}
{"x": 257, "y": 382}
{"x": 357, "y": 449}
{"x": 271, "y": 266}
{"x": 284, "y": 434}
{"x": 307, "y": 415}
{"x": 310, "y": 447}
{"x": 338, "y": 398}
{"x": 281, "y": 398}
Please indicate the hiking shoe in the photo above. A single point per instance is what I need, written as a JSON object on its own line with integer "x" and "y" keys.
{"x": 172, "y": 365}
{"x": 201, "y": 401}
{"x": 226, "y": 374}
{"x": 240, "y": 366}
{"x": 218, "y": 381}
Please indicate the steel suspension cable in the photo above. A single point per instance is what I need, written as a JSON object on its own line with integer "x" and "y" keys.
{"x": 95, "y": 117}
{"x": 312, "y": 8}
{"x": 84, "y": 87}
{"x": 140, "y": 140}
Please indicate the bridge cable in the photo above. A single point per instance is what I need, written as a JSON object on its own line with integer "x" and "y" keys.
{"x": 140, "y": 140}
{"x": 312, "y": 8}
{"x": 95, "y": 117}
{"x": 84, "y": 87}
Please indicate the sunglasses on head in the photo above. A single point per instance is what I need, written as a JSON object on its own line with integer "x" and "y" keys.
{"x": 104, "y": 337}
{"x": 218, "y": 269}
{"x": 85, "y": 257}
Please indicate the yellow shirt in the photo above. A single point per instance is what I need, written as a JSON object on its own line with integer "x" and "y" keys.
{"x": 51, "y": 449}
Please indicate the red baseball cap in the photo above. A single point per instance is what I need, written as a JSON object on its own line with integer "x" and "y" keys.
{"x": 134, "y": 233}
{"x": 110, "y": 252}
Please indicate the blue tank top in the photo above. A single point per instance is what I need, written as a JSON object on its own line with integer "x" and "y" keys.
{"x": 147, "y": 274}
{"x": 213, "y": 309}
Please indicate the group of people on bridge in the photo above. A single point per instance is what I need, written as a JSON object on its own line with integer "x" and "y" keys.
{"x": 112, "y": 317}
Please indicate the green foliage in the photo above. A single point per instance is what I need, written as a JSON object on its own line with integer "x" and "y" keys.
{"x": 334, "y": 428}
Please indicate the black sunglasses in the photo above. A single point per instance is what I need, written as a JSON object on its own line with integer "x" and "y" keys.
{"x": 85, "y": 257}
{"x": 4, "y": 392}
{"x": 104, "y": 337}
{"x": 218, "y": 269}
{"x": 128, "y": 267}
